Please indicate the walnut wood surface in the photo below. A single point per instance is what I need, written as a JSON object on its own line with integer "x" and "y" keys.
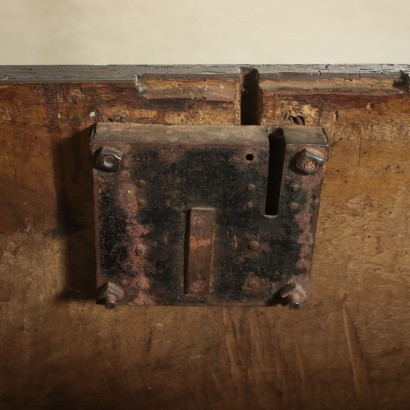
{"x": 347, "y": 349}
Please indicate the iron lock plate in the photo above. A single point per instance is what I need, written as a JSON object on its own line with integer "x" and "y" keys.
{"x": 205, "y": 214}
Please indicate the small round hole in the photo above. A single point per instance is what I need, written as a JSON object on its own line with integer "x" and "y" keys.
{"x": 249, "y": 157}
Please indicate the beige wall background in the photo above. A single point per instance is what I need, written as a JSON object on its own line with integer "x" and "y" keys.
{"x": 212, "y": 31}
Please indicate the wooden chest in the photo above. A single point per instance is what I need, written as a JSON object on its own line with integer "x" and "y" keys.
{"x": 348, "y": 349}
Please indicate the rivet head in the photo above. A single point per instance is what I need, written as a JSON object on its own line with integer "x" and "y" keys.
{"x": 141, "y": 202}
{"x": 141, "y": 184}
{"x": 251, "y": 187}
{"x": 309, "y": 160}
{"x": 294, "y": 305}
{"x": 110, "y": 301}
{"x": 108, "y": 159}
{"x": 139, "y": 250}
{"x": 249, "y": 204}
{"x": 254, "y": 245}
{"x": 294, "y": 206}
{"x": 295, "y": 187}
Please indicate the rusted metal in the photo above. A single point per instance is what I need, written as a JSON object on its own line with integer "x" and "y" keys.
{"x": 200, "y": 239}
{"x": 259, "y": 212}
{"x": 309, "y": 160}
{"x": 254, "y": 245}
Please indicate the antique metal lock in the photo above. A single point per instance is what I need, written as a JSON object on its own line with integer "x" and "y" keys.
{"x": 206, "y": 215}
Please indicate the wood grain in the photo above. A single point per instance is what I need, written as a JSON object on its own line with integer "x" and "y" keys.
{"x": 348, "y": 349}
{"x": 45, "y": 130}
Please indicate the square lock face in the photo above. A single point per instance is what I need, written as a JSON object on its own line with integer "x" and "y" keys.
{"x": 205, "y": 214}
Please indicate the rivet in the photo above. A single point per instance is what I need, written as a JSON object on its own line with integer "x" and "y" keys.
{"x": 251, "y": 284}
{"x": 141, "y": 184}
{"x": 139, "y": 250}
{"x": 110, "y": 294}
{"x": 110, "y": 301}
{"x": 108, "y": 159}
{"x": 251, "y": 187}
{"x": 295, "y": 187}
{"x": 294, "y": 294}
{"x": 249, "y": 204}
{"x": 141, "y": 202}
{"x": 294, "y": 206}
{"x": 309, "y": 160}
{"x": 254, "y": 245}
{"x": 295, "y": 304}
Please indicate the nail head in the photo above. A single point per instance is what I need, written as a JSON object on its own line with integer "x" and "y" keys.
{"x": 254, "y": 245}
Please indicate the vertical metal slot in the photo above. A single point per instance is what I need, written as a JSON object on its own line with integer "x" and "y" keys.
{"x": 199, "y": 245}
{"x": 277, "y": 150}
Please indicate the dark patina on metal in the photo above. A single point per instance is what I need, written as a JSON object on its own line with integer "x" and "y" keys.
{"x": 207, "y": 214}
